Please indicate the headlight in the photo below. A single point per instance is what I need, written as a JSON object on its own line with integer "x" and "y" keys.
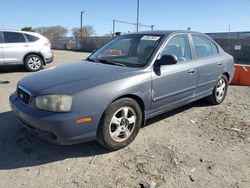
{"x": 55, "y": 103}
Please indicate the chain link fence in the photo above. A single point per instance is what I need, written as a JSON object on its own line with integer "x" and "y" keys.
{"x": 86, "y": 44}
{"x": 235, "y": 43}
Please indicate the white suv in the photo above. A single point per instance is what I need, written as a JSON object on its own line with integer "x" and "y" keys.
{"x": 25, "y": 48}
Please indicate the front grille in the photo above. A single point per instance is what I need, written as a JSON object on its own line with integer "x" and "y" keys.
{"x": 23, "y": 95}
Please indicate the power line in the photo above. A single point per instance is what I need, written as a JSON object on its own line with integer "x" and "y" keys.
{"x": 131, "y": 23}
{"x": 99, "y": 18}
{"x": 137, "y": 25}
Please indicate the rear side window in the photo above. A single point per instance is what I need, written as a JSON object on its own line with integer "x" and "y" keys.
{"x": 202, "y": 46}
{"x": 12, "y": 37}
{"x": 214, "y": 48}
{"x": 31, "y": 38}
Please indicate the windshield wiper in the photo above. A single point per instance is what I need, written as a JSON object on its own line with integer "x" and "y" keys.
{"x": 92, "y": 60}
{"x": 106, "y": 61}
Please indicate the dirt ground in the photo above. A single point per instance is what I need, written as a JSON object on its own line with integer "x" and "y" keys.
{"x": 194, "y": 146}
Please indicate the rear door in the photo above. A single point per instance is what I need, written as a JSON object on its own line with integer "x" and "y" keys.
{"x": 1, "y": 49}
{"x": 174, "y": 85}
{"x": 14, "y": 47}
{"x": 208, "y": 63}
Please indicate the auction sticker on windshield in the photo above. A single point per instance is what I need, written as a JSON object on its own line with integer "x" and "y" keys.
{"x": 148, "y": 37}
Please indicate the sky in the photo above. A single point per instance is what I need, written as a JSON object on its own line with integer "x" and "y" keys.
{"x": 201, "y": 15}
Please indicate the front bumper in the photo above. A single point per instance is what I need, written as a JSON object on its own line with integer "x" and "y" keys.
{"x": 59, "y": 128}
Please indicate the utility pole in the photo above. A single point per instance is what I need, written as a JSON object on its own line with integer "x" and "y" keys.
{"x": 138, "y": 11}
{"x": 81, "y": 28}
{"x": 113, "y": 34}
{"x": 229, "y": 38}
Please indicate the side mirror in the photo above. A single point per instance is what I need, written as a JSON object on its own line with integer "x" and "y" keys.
{"x": 167, "y": 60}
{"x": 118, "y": 33}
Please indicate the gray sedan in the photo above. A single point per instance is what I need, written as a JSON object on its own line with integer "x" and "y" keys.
{"x": 134, "y": 77}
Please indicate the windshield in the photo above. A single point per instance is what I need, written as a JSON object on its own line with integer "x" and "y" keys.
{"x": 127, "y": 50}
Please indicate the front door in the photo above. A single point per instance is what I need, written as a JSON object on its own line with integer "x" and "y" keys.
{"x": 174, "y": 85}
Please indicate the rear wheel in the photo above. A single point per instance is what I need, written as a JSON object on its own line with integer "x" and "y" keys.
{"x": 33, "y": 63}
{"x": 120, "y": 124}
{"x": 219, "y": 92}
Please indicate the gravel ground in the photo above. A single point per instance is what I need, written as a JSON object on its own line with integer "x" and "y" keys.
{"x": 194, "y": 146}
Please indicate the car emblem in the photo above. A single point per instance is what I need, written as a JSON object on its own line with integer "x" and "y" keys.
{"x": 21, "y": 95}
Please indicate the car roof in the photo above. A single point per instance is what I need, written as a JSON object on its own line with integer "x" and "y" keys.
{"x": 164, "y": 32}
{"x": 24, "y": 32}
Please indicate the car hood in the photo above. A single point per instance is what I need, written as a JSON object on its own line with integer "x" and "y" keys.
{"x": 74, "y": 77}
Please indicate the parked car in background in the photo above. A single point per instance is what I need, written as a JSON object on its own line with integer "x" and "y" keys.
{"x": 132, "y": 78}
{"x": 24, "y": 48}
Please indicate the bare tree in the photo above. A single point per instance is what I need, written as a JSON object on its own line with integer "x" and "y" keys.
{"x": 52, "y": 32}
{"x": 87, "y": 31}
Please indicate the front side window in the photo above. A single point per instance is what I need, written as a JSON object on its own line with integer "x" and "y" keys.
{"x": 202, "y": 46}
{"x": 12, "y": 37}
{"x": 128, "y": 50}
{"x": 179, "y": 46}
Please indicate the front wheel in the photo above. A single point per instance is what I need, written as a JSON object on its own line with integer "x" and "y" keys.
{"x": 120, "y": 124}
{"x": 219, "y": 92}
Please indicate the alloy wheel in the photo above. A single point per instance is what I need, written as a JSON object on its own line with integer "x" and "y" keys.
{"x": 122, "y": 124}
{"x": 34, "y": 63}
{"x": 220, "y": 89}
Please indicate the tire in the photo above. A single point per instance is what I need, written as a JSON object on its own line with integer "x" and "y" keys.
{"x": 117, "y": 128}
{"x": 33, "y": 63}
{"x": 219, "y": 91}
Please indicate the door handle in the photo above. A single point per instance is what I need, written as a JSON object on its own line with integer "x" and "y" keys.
{"x": 219, "y": 64}
{"x": 26, "y": 45}
{"x": 191, "y": 71}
